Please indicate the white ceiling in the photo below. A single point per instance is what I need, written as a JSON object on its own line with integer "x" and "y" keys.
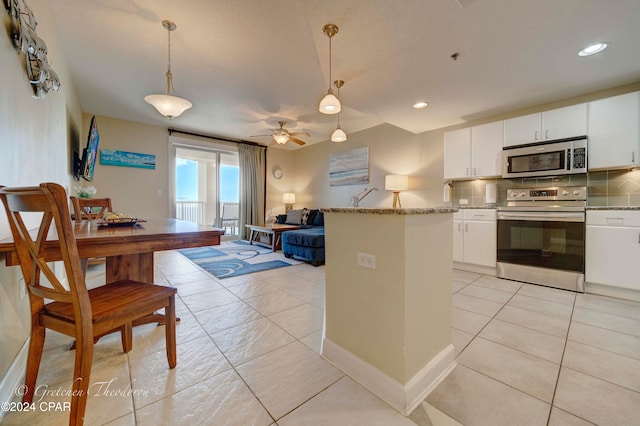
{"x": 246, "y": 64}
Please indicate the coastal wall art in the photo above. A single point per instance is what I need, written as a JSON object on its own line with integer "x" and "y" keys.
{"x": 349, "y": 168}
{"x": 127, "y": 159}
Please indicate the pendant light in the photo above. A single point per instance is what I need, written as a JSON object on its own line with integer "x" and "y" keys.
{"x": 330, "y": 104}
{"x": 338, "y": 134}
{"x": 168, "y": 105}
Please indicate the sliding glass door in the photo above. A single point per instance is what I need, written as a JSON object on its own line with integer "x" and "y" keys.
{"x": 206, "y": 186}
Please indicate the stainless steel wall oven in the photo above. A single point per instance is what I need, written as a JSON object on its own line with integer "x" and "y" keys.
{"x": 541, "y": 235}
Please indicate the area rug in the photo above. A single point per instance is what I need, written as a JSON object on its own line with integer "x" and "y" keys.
{"x": 233, "y": 258}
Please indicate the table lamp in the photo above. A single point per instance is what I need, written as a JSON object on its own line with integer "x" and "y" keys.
{"x": 288, "y": 198}
{"x": 396, "y": 183}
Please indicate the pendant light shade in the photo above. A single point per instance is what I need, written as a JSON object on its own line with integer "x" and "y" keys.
{"x": 168, "y": 105}
{"x": 338, "y": 134}
{"x": 330, "y": 104}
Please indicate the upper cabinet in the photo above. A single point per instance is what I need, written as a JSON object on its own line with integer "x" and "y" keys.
{"x": 457, "y": 154}
{"x": 486, "y": 149}
{"x": 548, "y": 125}
{"x": 614, "y": 132}
{"x": 473, "y": 152}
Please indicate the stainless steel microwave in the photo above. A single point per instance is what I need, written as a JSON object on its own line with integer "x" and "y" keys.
{"x": 560, "y": 157}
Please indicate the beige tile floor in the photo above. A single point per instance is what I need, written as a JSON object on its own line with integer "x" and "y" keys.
{"x": 248, "y": 354}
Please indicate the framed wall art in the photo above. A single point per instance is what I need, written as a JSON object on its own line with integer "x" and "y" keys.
{"x": 349, "y": 168}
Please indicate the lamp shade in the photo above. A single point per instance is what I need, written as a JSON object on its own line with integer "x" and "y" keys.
{"x": 396, "y": 182}
{"x": 289, "y": 198}
{"x": 330, "y": 104}
{"x": 167, "y": 105}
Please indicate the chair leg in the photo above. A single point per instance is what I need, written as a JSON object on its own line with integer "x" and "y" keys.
{"x": 170, "y": 329}
{"x": 33, "y": 361}
{"x": 81, "y": 377}
{"x": 126, "y": 334}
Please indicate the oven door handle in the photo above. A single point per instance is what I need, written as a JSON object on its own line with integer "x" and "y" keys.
{"x": 550, "y": 217}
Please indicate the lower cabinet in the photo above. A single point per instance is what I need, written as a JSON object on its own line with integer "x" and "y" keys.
{"x": 612, "y": 248}
{"x": 474, "y": 237}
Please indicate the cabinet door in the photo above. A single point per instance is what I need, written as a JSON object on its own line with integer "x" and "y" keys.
{"x": 486, "y": 149}
{"x": 480, "y": 243}
{"x": 458, "y": 241}
{"x": 457, "y": 154}
{"x": 520, "y": 130}
{"x": 614, "y": 132}
{"x": 565, "y": 122}
{"x": 611, "y": 256}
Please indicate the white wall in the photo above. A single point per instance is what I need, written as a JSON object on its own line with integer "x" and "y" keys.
{"x": 36, "y": 136}
{"x": 141, "y": 192}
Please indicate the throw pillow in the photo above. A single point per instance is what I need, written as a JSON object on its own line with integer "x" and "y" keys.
{"x": 312, "y": 217}
{"x": 294, "y": 217}
{"x": 282, "y": 218}
{"x": 319, "y": 219}
{"x": 305, "y": 216}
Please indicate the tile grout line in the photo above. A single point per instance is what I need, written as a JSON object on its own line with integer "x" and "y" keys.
{"x": 564, "y": 349}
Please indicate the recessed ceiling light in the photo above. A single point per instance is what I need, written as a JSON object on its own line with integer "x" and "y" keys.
{"x": 421, "y": 104}
{"x": 593, "y": 49}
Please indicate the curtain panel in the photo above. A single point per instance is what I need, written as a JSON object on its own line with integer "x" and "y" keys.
{"x": 252, "y": 186}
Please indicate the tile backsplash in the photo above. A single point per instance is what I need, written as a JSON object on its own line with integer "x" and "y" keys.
{"x": 620, "y": 188}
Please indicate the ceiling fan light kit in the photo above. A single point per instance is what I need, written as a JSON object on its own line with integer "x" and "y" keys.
{"x": 330, "y": 104}
{"x": 168, "y": 105}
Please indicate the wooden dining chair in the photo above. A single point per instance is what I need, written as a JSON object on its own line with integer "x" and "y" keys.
{"x": 90, "y": 208}
{"x": 74, "y": 310}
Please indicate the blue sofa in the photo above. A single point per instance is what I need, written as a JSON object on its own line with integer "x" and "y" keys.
{"x": 307, "y": 243}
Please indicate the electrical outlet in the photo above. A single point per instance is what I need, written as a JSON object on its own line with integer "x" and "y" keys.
{"x": 22, "y": 288}
{"x": 367, "y": 260}
{"x": 464, "y": 201}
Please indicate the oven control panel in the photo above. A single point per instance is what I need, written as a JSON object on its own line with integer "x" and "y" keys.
{"x": 577, "y": 193}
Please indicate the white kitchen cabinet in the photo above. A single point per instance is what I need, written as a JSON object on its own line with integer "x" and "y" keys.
{"x": 457, "y": 154}
{"x": 486, "y": 149}
{"x": 614, "y": 132}
{"x": 474, "y": 237}
{"x": 612, "y": 248}
{"x": 548, "y": 125}
{"x": 473, "y": 152}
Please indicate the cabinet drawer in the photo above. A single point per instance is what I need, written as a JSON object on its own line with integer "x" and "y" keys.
{"x": 626, "y": 218}
{"x": 480, "y": 215}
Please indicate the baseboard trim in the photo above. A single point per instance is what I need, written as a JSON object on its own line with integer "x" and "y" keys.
{"x": 404, "y": 398}
{"x": 14, "y": 376}
{"x": 611, "y": 291}
{"x": 478, "y": 269}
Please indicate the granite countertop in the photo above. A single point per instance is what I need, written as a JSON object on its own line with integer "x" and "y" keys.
{"x": 613, "y": 207}
{"x": 378, "y": 210}
{"x": 491, "y": 207}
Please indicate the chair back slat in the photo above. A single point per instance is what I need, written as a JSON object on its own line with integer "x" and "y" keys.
{"x": 49, "y": 199}
{"x": 90, "y": 208}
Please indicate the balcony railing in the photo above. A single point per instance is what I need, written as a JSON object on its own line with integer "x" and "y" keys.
{"x": 191, "y": 211}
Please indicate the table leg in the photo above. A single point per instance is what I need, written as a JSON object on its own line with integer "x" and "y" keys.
{"x": 138, "y": 267}
{"x": 251, "y": 237}
{"x": 276, "y": 240}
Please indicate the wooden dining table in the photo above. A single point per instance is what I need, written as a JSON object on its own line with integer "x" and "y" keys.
{"x": 128, "y": 249}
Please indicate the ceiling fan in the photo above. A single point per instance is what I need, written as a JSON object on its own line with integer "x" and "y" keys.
{"x": 282, "y": 135}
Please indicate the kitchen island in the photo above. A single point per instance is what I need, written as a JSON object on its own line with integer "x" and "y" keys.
{"x": 388, "y": 299}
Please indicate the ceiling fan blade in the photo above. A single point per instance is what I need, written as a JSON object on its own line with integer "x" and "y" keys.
{"x": 307, "y": 134}
{"x": 257, "y": 136}
{"x": 296, "y": 140}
